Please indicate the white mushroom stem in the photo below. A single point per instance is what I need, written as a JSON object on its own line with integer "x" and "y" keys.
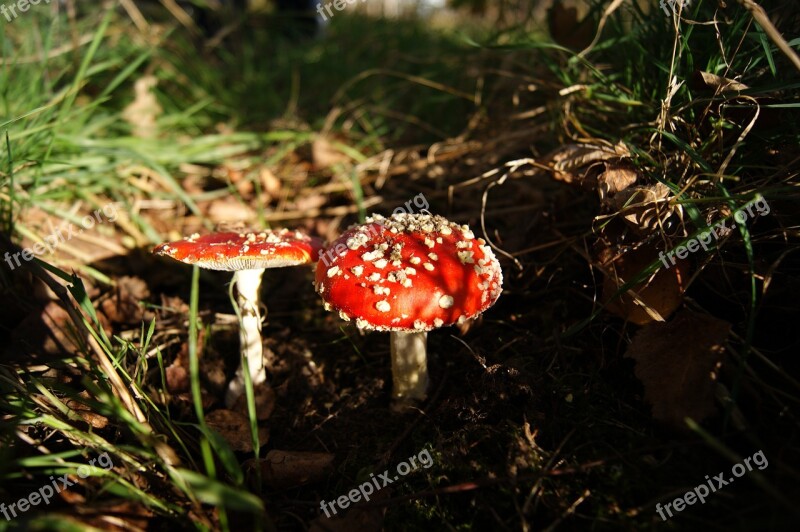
{"x": 247, "y": 284}
{"x": 409, "y": 365}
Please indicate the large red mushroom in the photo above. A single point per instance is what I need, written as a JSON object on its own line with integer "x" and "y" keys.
{"x": 408, "y": 274}
{"x": 247, "y": 254}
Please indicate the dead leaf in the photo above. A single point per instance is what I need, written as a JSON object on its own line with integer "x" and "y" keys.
{"x": 614, "y": 180}
{"x": 177, "y": 373}
{"x": 717, "y": 83}
{"x": 310, "y": 202}
{"x": 230, "y": 210}
{"x": 288, "y": 469}
{"x": 644, "y": 209}
{"x": 677, "y": 362}
{"x": 578, "y": 163}
{"x": 654, "y": 299}
{"x": 177, "y": 378}
{"x": 324, "y": 154}
{"x": 123, "y": 306}
{"x": 142, "y": 113}
{"x": 270, "y": 185}
{"x": 235, "y": 428}
{"x": 265, "y": 402}
{"x": 85, "y": 412}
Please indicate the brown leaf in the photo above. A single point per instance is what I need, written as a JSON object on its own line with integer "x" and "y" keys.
{"x": 123, "y": 306}
{"x": 143, "y": 112}
{"x": 85, "y": 412}
{"x": 270, "y": 185}
{"x": 265, "y": 402}
{"x": 677, "y": 363}
{"x": 640, "y": 207}
{"x": 177, "y": 373}
{"x": 177, "y": 378}
{"x": 325, "y": 154}
{"x": 615, "y": 179}
{"x": 654, "y": 299}
{"x": 717, "y": 83}
{"x": 235, "y": 428}
{"x": 287, "y": 469}
{"x": 230, "y": 210}
{"x": 579, "y": 163}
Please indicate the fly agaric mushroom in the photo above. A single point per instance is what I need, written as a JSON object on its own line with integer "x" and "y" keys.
{"x": 247, "y": 255}
{"x": 409, "y": 274}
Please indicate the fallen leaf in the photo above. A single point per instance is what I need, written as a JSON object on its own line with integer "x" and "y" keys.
{"x": 264, "y": 399}
{"x": 230, "y": 210}
{"x": 311, "y": 202}
{"x": 717, "y": 83}
{"x": 177, "y": 378}
{"x": 85, "y": 412}
{"x": 142, "y": 113}
{"x": 235, "y": 428}
{"x": 579, "y": 163}
{"x": 644, "y": 209}
{"x": 123, "y": 306}
{"x": 177, "y": 373}
{"x": 653, "y": 299}
{"x": 324, "y": 154}
{"x": 270, "y": 185}
{"x": 288, "y": 469}
{"x": 615, "y": 179}
{"x": 677, "y": 362}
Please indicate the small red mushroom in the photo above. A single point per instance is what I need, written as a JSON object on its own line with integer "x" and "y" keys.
{"x": 409, "y": 274}
{"x": 247, "y": 254}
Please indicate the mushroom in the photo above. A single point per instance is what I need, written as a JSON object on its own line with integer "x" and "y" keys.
{"x": 408, "y": 274}
{"x": 247, "y": 254}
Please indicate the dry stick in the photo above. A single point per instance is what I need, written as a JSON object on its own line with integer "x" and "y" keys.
{"x": 55, "y": 52}
{"x": 181, "y": 16}
{"x": 740, "y": 140}
{"x": 772, "y": 32}
{"x": 135, "y": 15}
{"x": 569, "y": 511}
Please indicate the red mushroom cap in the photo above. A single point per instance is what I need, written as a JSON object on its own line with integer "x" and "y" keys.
{"x": 409, "y": 272}
{"x": 231, "y": 251}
